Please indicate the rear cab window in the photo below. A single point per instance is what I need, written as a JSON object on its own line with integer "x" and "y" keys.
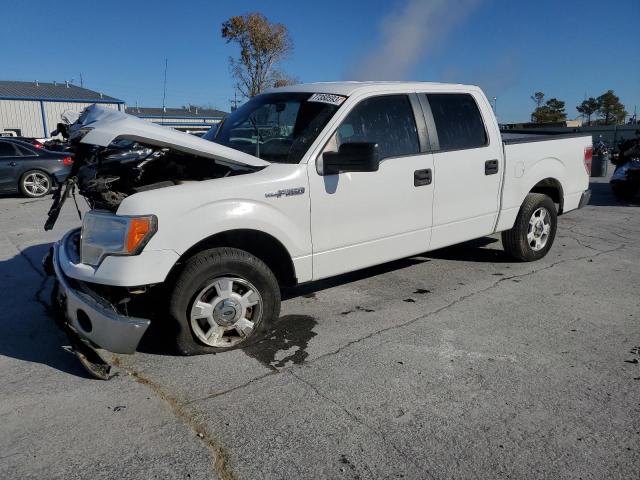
{"x": 458, "y": 121}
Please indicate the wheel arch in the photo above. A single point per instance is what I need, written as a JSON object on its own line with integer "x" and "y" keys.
{"x": 258, "y": 243}
{"x": 552, "y": 188}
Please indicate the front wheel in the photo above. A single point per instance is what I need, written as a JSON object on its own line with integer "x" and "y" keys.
{"x": 222, "y": 299}
{"x": 534, "y": 230}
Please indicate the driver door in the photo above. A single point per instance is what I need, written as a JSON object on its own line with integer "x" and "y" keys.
{"x": 359, "y": 219}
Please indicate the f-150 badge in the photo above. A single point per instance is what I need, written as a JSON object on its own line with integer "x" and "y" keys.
{"x": 286, "y": 192}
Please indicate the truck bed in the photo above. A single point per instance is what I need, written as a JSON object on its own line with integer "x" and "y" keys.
{"x": 531, "y": 158}
{"x": 512, "y": 137}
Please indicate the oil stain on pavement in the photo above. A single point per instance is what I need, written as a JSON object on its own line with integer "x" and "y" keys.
{"x": 291, "y": 335}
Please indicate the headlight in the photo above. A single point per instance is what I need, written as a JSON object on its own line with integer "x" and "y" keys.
{"x": 106, "y": 234}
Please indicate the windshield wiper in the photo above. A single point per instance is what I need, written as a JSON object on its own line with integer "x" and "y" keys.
{"x": 258, "y": 136}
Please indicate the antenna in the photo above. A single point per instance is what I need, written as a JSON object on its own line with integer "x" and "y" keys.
{"x": 81, "y": 82}
{"x": 164, "y": 92}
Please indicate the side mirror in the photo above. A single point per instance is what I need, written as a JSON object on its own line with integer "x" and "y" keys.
{"x": 351, "y": 157}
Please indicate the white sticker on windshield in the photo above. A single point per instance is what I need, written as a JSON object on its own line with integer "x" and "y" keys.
{"x": 327, "y": 98}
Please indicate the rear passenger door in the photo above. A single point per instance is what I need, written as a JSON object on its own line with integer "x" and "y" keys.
{"x": 467, "y": 167}
{"x": 359, "y": 219}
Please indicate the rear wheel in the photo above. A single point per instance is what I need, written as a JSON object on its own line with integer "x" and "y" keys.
{"x": 35, "y": 183}
{"x": 222, "y": 299}
{"x": 534, "y": 230}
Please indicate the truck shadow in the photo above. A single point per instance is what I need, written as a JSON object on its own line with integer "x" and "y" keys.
{"x": 471, "y": 251}
{"x": 27, "y": 329}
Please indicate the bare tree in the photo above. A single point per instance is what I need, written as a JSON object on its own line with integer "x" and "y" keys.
{"x": 262, "y": 46}
{"x": 281, "y": 79}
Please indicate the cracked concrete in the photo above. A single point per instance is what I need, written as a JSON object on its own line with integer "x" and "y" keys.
{"x": 496, "y": 369}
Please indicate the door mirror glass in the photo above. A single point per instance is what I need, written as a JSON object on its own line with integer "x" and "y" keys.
{"x": 351, "y": 157}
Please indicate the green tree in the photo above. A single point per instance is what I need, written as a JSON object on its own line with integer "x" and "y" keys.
{"x": 610, "y": 109}
{"x": 552, "y": 111}
{"x": 538, "y": 98}
{"x": 262, "y": 46}
{"x": 588, "y": 108}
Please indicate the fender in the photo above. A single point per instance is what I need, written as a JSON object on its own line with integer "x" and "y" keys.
{"x": 190, "y": 213}
{"x": 542, "y": 169}
{"x": 520, "y": 178}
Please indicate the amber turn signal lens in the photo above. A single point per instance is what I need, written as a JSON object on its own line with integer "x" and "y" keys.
{"x": 138, "y": 230}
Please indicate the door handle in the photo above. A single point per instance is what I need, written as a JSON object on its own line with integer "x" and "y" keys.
{"x": 491, "y": 167}
{"x": 13, "y": 164}
{"x": 422, "y": 177}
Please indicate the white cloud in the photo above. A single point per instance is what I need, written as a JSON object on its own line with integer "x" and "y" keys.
{"x": 408, "y": 35}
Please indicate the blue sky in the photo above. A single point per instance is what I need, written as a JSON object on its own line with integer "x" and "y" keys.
{"x": 511, "y": 48}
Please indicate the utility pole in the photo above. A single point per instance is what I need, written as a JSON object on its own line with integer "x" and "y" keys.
{"x": 164, "y": 90}
{"x": 81, "y": 82}
{"x": 234, "y": 101}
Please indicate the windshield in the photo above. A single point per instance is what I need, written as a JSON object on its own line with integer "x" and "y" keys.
{"x": 276, "y": 127}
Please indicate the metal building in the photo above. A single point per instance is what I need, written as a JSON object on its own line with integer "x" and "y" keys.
{"x": 190, "y": 119}
{"x": 33, "y": 109}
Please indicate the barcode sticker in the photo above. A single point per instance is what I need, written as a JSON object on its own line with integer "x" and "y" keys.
{"x": 327, "y": 98}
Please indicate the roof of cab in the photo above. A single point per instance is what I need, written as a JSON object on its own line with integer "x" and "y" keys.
{"x": 350, "y": 88}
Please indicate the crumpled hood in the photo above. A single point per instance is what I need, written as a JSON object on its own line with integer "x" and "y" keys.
{"x": 107, "y": 125}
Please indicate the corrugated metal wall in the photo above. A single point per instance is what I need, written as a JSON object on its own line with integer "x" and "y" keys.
{"x": 22, "y": 114}
{"x": 26, "y": 115}
{"x": 53, "y": 110}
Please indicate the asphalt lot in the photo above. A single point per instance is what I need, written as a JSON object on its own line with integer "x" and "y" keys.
{"x": 456, "y": 364}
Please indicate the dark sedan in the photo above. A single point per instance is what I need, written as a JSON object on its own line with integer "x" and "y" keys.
{"x": 29, "y": 170}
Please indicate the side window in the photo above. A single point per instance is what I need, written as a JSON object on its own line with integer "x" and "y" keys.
{"x": 24, "y": 151}
{"x": 458, "y": 121}
{"x": 386, "y": 120}
{"x": 7, "y": 150}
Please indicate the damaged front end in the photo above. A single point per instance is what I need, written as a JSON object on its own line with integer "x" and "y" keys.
{"x": 118, "y": 155}
{"x": 96, "y": 319}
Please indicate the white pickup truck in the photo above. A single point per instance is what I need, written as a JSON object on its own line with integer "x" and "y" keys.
{"x": 298, "y": 184}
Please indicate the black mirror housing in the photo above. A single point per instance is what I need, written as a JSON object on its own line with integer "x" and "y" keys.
{"x": 351, "y": 157}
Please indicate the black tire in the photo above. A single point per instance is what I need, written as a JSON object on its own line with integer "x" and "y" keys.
{"x": 31, "y": 190}
{"x": 198, "y": 272}
{"x": 623, "y": 191}
{"x": 515, "y": 241}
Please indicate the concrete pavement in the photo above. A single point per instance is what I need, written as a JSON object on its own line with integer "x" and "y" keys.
{"x": 456, "y": 364}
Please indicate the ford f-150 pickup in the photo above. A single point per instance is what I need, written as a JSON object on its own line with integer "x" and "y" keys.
{"x": 298, "y": 184}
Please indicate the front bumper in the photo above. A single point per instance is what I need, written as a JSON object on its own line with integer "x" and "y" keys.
{"x": 92, "y": 317}
{"x": 585, "y": 198}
